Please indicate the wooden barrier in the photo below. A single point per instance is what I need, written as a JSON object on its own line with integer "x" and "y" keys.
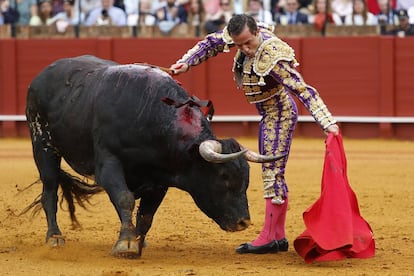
{"x": 180, "y": 31}
{"x": 334, "y": 30}
{"x": 296, "y": 31}
{"x": 45, "y": 32}
{"x": 358, "y": 77}
{"x": 5, "y": 31}
{"x": 105, "y": 31}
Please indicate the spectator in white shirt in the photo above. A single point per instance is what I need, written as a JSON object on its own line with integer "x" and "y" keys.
{"x": 342, "y": 8}
{"x": 86, "y": 6}
{"x": 404, "y": 4}
{"x": 256, "y": 10}
{"x": 67, "y": 17}
{"x": 108, "y": 14}
{"x": 360, "y": 14}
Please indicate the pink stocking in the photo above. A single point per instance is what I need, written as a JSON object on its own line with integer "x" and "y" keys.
{"x": 274, "y": 224}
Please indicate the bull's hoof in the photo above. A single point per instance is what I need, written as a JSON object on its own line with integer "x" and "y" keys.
{"x": 56, "y": 241}
{"x": 126, "y": 249}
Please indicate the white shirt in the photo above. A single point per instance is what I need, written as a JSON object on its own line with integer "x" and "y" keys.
{"x": 87, "y": 5}
{"x": 404, "y": 4}
{"x": 238, "y": 7}
{"x": 131, "y": 6}
{"x": 341, "y": 7}
{"x": 358, "y": 20}
{"x": 64, "y": 17}
{"x": 264, "y": 16}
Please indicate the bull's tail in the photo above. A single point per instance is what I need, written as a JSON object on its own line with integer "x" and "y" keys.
{"x": 74, "y": 190}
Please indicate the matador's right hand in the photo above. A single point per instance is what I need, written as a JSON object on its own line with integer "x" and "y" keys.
{"x": 332, "y": 129}
{"x": 179, "y": 68}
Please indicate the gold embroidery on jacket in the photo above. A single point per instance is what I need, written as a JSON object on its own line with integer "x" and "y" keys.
{"x": 270, "y": 52}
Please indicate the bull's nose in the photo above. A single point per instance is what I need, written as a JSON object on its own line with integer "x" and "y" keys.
{"x": 243, "y": 224}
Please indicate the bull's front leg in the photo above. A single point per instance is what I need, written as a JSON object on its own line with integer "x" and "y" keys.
{"x": 127, "y": 244}
{"x": 146, "y": 211}
{"x": 109, "y": 174}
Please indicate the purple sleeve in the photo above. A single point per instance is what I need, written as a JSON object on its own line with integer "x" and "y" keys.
{"x": 285, "y": 73}
{"x": 210, "y": 46}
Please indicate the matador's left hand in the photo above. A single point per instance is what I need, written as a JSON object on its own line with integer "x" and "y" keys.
{"x": 179, "y": 68}
{"x": 332, "y": 129}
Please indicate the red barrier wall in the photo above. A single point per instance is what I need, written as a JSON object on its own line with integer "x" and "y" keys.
{"x": 356, "y": 76}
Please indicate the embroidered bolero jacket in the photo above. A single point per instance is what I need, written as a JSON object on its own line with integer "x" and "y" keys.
{"x": 270, "y": 72}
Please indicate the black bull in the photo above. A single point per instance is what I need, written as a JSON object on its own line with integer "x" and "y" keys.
{"x": 109, "y": 123}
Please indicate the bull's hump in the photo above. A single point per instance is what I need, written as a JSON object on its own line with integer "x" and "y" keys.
{"x": 138, "y": 68}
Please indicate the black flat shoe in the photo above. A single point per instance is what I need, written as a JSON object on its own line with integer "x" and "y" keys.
{"x": 271, "y": 247}
{"x": 283, "y": 245}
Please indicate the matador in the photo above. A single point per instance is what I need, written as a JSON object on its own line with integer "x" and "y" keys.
{"x": 265, "y": 68}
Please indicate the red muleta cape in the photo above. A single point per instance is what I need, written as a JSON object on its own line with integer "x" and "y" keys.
{"x": 334, "y": 227}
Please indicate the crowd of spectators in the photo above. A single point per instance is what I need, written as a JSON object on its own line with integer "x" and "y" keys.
{"x": 393, "y": 16}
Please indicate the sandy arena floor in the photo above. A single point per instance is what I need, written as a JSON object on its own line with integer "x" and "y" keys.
{"x": 183, "y": 241}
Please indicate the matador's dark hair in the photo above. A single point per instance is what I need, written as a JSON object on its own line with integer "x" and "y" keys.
{"x": 237, "y": 23}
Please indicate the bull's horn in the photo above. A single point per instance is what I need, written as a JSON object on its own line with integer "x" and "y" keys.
{"x": 210, "y": 150}
{"x": 258, "y": 158}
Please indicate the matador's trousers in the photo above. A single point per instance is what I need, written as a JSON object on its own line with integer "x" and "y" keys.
{"x": 279, "y": 118}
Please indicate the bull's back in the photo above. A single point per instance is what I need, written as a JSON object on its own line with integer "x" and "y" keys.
{"x": 63, "y": 77}
{"x": 82, "y": 85}
{"x": 78, "y": 99}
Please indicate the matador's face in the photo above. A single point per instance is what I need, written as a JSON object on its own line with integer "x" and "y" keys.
{"x": 247, "y": 41}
